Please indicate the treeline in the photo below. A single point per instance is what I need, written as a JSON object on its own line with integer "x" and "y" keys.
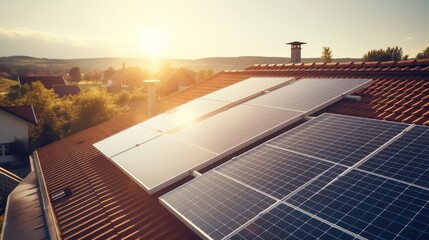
{"x": 60, "y": 117}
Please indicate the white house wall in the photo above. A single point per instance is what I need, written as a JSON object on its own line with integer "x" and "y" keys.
{"x": 12, "y": 128}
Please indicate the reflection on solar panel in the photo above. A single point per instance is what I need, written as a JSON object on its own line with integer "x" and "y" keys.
{"x": 406, "y": 159}
{"x": 182, "y": 115}
{"x": 125, "y": 140}
{"x": 218, "y": 204}
{"x": 373, "y": 207}
{"x": 204, "y": 131}
{"x": 310, "y": 94}
{"x": 283, "y": 222}
{"x": 325, "y": 189}
{"x": 238, "y": 125}
{"x": 162, "y": 158}
{"x": 337, "y": 138}
{"x": 245, "y": 89}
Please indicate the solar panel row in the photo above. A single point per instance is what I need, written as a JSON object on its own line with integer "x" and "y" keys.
{"x": 210, "y": 128}
{"x": 304, "y": 169}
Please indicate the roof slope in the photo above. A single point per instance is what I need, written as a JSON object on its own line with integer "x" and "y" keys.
{"x": 64, "y": 90}
{"x": 47, "y": 81}
{"x": 107, "y": 203}
{"x": 25, "y": 218}
{"x": 25, "y": 113}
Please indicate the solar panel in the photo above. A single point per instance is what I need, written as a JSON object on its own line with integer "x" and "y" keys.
{"x": 231, "y": 129}
{"x": 246, "y": 89}
{"x": 310, "y": 94}
{"x": 338, "y": 138}
{"x": 309, "y": 169}
{"x": 125, "y": 140}
{"x": 276, "y": 171}
{"x": 183, "y": 114}
{"x": 205, "y": 127}
{"x": 284, "y": 222}
{"x": 406, "y": 159}
{"x": 216, "y": 205}
{"x": 160, "y": 162}
{"x": 372, "y": 206}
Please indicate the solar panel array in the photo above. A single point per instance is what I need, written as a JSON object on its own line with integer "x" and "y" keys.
{"x": 162, "y": 150}
{"x": 333, "y": 177}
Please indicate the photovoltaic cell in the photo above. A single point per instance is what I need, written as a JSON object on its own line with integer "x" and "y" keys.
{"x": 406, "y": 159}
{"x": 246, "y": 88}
{"x": 216, "y": 205}
{"x": 338, "y": 138}
{"x": 236, "y": 126}
{"x": 284, "y": 222}
{"x": 275, "y": 171}
{"x": 373, "y": 207}
{"x": 310, "y": 93}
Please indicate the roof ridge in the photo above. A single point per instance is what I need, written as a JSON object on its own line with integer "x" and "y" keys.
{"x": 341, "y": 65}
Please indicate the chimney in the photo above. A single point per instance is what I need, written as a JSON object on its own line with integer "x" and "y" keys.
{"x": 151, "y": 96}
{"x": 295, "y": 51}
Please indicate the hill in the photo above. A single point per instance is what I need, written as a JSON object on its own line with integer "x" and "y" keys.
{"x": 87, "y": 64}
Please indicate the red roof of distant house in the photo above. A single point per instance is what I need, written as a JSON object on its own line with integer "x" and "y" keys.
{"x": 47, "y": 81}
{"x": 64, "y": 90}
{"x": 106, "y": 203}
{"x": 25, "y": 113}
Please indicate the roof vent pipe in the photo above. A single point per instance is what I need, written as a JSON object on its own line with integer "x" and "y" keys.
{"x": 295, "y": 51}
{"x": 151, "y": 96}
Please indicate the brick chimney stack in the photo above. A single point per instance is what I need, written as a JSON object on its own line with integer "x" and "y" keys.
{"x": 295, "y": 48}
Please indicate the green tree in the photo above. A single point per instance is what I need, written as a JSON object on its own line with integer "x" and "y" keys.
{"x": 75, "y": 74}
{"x": 423, "y": 54}
{"x": 388, "y": 54}
{"x": 327, "y": 54}
{"x": 93, "y": 107}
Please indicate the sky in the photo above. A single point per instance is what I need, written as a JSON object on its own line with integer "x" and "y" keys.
{"x": 192, "y": 29}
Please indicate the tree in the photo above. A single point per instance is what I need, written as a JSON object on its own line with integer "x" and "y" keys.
{"x": 388, "y": 54}
{"x": 75, "y": 74}
{"x": 327, "y": 54}
{"x": 423, "y": 54}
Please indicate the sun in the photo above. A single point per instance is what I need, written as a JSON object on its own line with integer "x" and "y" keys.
{"x": 153, "y": 42}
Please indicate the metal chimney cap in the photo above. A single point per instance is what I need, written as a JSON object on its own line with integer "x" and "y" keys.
{"x": 296, "y": 43}
{"x": 151, "y": 81}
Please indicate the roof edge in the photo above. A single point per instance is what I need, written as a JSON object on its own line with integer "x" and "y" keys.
{"x": 50, "y": 218}
{"x": 339, "y": 65}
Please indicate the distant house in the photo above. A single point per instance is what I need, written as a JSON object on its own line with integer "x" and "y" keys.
{"x": 47, "y": 81}
{"x": 14, "y": 126}
{"x": 58, "y": 83}
{"x": 173, "y": 80}
{"x": 65, "y": 90}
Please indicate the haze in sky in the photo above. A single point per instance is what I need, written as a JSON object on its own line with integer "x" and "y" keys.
{"x": 194, "y": 29}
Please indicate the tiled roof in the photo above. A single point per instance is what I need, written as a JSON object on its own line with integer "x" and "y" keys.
{"x": 64, "y": 90}
{"x": 47, "y": 81}
{"x": 25, "y": 113}
{"x": 106, "y": 203}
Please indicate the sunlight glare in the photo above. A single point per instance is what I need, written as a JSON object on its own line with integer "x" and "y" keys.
{"x": 153, "y": 42}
